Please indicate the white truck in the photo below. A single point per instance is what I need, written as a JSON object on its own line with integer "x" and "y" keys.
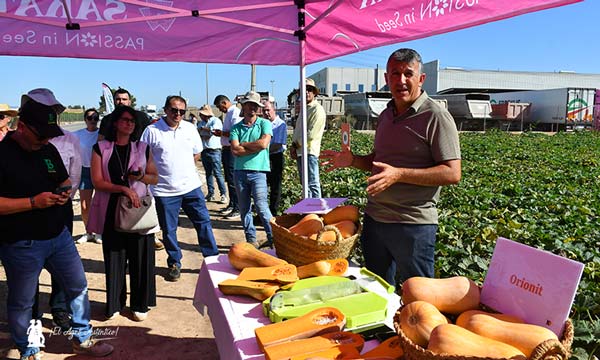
{"x": 554, "y": 109}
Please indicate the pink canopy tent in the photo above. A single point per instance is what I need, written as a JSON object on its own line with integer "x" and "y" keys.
{"x": 262, "y": 32}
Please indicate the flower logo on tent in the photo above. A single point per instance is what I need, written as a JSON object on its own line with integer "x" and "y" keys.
{"x": 439, "y": 7}
{"x": 89, "y": 40}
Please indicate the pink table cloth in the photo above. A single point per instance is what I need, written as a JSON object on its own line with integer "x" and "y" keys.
{"x": 234, "y": 318}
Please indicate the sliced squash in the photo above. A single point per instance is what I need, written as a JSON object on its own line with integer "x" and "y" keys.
{"x": 390, "y": 348}
{"x": 308, "y": 225}
{"x": 451, "y": 295}
{"x": 257, "y": 290}
{"x": 243, "y": 255}
{"x": 292, "y": 348}
{"x": 340, "y": 213}
{"x": 317, "y": 322}
{"x": 452, "y": 339}
{"x": 335, "y": 267}
{"x": 418, "y": 319}
{"x": 284, "y": 274}
{"x": 525, "y": 337}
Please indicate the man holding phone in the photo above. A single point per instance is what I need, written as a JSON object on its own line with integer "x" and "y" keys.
{"x": 34, "y": 235}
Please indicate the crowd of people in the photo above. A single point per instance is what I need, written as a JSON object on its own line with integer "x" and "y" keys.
{"x": 416, "y": 151}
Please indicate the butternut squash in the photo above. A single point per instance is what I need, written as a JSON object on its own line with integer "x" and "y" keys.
{"x": 243, "y": 255}
{"x": 289, "y": 349}
{"x": 335, "y": 267}
{"x": 257, "y": 290}
{"x": 524, "y": 337}
{"x": 346, "y": 227}
{"x": 418, "y": 319}
{"x": 452, "y": 339}
{"x": 452, "y": 295}
{"x": 284, "y": 274}
{"x": 464, "y": 317}
{"x": 329, "y": 234}
{"x": 390, "y": 348}
{"x": 308, "y": 225}
{"x": 336, "y": 352}
{"x": 347, "y": 212}
{"x": 317, "y": 322}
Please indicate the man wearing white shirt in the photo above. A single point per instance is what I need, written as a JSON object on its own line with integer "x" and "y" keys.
{"x": 88, "y": 136}
{"x": 276, "y": 150}
{"x": 211, "y": 154}
{"x": 176, "y": 146}
{"x": 232, "y": 117}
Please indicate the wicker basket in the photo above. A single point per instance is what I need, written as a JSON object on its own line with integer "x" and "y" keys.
{"x": 548, "y": 350}
{"x": 300, "y": 250}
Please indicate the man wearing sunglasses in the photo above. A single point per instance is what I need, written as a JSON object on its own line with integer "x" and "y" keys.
{"x": 88, "y": 136}
{"x": 176, "y": 146}
{"x": 34, "y": 235}
{"x": 6, "y": 114}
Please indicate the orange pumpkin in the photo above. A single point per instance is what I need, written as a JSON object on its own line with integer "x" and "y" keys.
{"x": 418, "y": 319}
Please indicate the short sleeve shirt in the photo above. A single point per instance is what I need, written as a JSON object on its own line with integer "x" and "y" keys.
{"x": 28, "y": 173}
{"x": 279, "y": 134}
{"x": 173, "y": 151}
{"x": 422, "y": 137}
{"x": 212, "y": 142}
{"x": 241, "y": 132}
{"x": 232, "y": 117}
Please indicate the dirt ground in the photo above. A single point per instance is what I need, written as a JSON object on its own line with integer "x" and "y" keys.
{"x": 173, "y": 329}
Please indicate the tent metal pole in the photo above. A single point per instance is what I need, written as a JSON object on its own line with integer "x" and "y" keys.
{"x": 304, "y": 149}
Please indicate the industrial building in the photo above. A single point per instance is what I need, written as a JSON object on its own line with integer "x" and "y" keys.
{"x": 331, "y": 80}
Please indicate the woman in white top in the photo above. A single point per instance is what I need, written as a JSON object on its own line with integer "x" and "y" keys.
{"x": 88, "y": 136}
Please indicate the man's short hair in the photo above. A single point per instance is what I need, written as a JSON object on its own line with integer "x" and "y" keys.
{"x": 176, "y": 98}
{"x": 406, "y": 55}
{"x": 121, "y": 91}
{"x": 219, "y": 99}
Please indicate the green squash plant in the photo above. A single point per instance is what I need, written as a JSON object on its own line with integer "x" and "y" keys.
{"x": 538, "y": 189}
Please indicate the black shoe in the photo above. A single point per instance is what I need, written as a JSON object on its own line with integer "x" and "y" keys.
{"x": 174, "y": 273}
{"x": 62, "y": 319}
{"x": 266, "y": 245}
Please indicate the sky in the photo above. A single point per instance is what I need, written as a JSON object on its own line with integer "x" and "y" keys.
{"x": 563, "y": 38}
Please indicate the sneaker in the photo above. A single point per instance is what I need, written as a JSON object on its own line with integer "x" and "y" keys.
{"x": 93, "y": 348}
{"x": 223, "y": 199}
{"x": 226, "y": 210}
{"x": 36, "y": 356}
{"x": 174, "y": 273}
{"x": 158, "y": 245}
{"x": 61, "y": 319}
{"x": 210, "y": 198}
{"x": 233, "y": 215}
{"x": 97, "y": 238}
{"x": 139, "y": 316}
{"x": 84, "y": 238}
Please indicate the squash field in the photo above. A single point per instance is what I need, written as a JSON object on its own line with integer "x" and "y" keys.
{"x": 537, "y": 189}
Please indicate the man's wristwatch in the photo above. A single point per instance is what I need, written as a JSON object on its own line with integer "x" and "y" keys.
{"x": 32, "y": 201}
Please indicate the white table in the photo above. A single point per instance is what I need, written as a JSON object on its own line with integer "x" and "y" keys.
{"x": 234, "y": 318}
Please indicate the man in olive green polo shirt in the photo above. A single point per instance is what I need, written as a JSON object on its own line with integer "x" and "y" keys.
{"x": 416, "y": 152}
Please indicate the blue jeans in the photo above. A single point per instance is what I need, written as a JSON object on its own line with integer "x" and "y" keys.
{"x": 211, "y": 161}
{"x": 23, "y": 262}
{"x": 252, "y": 185}
{"x": 314, "y": 182}
{"x": 194, "y": 206}
{"x": 407, "y": 249}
